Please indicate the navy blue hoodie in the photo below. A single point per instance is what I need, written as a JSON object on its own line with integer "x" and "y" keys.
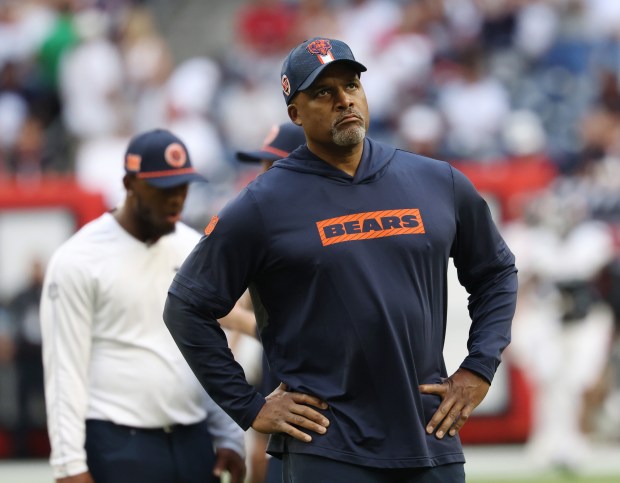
{"x": 348, "y": 278}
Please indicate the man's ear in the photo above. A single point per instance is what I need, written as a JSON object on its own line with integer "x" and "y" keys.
{"x": 293, "y": 114}
{"x": 128, "y": 182}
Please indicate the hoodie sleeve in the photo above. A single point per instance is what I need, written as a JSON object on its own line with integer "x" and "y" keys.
{"x": 210, "y": 281}
{"x": 486, "y": 268}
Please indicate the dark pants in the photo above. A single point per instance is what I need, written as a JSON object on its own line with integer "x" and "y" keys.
{"x": 120, "y": 454}
{"x": 303, "y": 468}
{"x": 274, "y": 471}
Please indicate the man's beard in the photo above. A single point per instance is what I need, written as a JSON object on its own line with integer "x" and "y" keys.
{"x": 149, "y": 226}
{"x": 350, "y": 136}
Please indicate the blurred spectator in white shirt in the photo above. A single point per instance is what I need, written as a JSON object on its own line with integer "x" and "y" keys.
{"x": 402, "y": 62}
{"x": 148, "y": 63}
{"x": 475, "y": 106}
{"x": 563, "y": 329}
{"x": 420, "y": 130}
{"x": 364, "y": 23}
{"x": 92, "y": 80}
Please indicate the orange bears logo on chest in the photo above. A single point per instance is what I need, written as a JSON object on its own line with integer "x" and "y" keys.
{"x": 372, "y": 224}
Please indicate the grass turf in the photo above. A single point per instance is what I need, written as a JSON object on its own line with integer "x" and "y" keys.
{"x": 548, "y": 478}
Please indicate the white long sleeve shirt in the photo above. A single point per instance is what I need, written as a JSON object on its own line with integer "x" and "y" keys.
{"x": 107, "y": 353}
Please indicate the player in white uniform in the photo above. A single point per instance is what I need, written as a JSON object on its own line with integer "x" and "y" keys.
{"x": 122, "y": 403}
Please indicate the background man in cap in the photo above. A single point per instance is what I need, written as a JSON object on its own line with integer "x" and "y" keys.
{"x": 122, "y": 404}
{"x": 345, "y": 246}
{"x": 281, "y": 140}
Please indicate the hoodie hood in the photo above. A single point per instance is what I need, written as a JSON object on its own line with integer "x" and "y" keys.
{"x": 375, "y": 158}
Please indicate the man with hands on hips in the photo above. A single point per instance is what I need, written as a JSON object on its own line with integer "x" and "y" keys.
{"x": 345, "y": 246}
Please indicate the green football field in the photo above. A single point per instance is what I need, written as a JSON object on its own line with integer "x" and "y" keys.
{"x": 516, "y": 464}
{"x": 37, "y": 471}
{"x": 552, "y": 478}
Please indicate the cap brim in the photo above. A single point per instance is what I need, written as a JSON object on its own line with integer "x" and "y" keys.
{"x": 256, "y": 156}
{"x": 315, "y": 73}
{"x": 172, "y": 181}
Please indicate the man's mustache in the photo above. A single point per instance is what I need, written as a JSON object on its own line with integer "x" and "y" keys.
{"x": 348, "y": 113}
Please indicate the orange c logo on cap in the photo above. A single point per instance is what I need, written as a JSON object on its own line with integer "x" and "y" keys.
{"x": 175, "y": 155}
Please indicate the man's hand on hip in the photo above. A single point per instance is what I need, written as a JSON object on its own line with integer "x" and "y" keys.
{"x": 460, "y": 394}
{"x": 285, "y": 412}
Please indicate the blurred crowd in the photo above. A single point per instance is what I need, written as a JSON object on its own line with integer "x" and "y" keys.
{"x": 480, "y": 83}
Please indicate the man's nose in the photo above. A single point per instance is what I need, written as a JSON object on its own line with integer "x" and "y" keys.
{"x": 343, "y": 99}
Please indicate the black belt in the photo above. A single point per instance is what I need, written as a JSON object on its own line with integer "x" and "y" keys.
{"x": 168, "y": 428}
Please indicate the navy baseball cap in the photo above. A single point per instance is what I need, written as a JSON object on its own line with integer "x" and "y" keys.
{"x": 306, "y": 61}
{"x": 161, "y": 159}
{"x": 281, "y": 141}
